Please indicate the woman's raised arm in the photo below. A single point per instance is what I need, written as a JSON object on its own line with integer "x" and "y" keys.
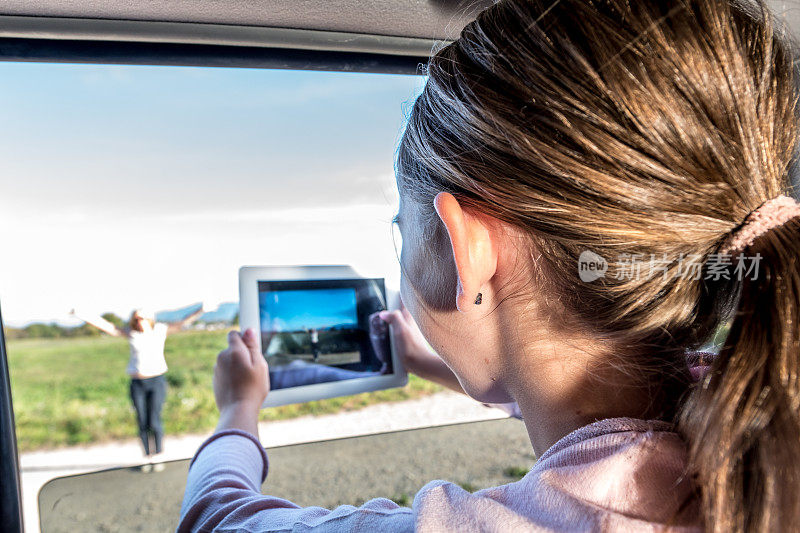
{"x": 100, "y": 323}
{"x": 177, "y": 326}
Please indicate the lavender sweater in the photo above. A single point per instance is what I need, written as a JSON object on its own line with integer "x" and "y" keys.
{"x": 617, "y": 474}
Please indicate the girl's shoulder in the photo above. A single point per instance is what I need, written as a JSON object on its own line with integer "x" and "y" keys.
{"x": 624, "y": 472}
{"x": 609, "y": 430}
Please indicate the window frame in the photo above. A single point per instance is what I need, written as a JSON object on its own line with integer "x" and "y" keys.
{"x": 53, "y": 40}
{"x": 73, "y": 40}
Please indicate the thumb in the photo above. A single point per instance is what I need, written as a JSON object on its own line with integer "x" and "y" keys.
{"x": 394, "y": 318}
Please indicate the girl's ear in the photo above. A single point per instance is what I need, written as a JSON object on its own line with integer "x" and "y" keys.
{"x": 474, "y": 250}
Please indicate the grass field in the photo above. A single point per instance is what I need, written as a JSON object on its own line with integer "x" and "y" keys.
{"x": 73, "y": 391}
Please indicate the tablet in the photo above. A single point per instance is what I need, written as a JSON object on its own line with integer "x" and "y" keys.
{"x": 319, "y": 331}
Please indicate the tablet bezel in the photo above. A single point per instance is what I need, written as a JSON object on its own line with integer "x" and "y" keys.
{"x": 249, "y": 317}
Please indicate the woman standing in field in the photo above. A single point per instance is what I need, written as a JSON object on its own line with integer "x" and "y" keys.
{"x": 146, "y": 367}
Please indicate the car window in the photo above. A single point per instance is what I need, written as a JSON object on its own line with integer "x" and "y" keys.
{"x": 141, "y": 186}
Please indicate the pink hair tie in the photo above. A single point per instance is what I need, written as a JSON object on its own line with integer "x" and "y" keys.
{"x": 770, "y": 214}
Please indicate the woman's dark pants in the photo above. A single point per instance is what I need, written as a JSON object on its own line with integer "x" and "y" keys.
{"x": 148, "y": 397}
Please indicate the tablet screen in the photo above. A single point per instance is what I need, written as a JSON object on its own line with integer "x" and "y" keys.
{"x": 318, "y": 331}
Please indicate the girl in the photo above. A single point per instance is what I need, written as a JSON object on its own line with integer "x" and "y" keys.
{"x": 588, "y": 189}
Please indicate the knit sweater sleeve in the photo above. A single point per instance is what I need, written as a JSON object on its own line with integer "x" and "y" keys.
{"x": 223, "y": 493}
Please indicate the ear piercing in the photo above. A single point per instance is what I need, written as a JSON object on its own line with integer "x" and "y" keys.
{"x": 478, "y": 299}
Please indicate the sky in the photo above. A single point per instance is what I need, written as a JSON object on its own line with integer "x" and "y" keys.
{"x": 139, "y": 186}
{"x": 292, "y": 310}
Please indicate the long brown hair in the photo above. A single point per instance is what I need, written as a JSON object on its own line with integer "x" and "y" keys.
{"x": 132, "y": 324}
{"x": 650, "y": 129}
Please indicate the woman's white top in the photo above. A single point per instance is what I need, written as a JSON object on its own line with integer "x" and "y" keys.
{"x": 147, "y": 351}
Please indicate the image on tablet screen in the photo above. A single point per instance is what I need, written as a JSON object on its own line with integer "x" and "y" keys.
{"x": 323, "y": 330}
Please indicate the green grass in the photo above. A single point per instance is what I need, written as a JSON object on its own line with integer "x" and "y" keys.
{"x": 75, "y": 391}
{"x": 516, "y": 472}
{"x": 467, "y": 486}
{"x": 403, "y": 500}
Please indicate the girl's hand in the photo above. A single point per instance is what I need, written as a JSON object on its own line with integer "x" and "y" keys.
{"x": 414, "y": 351}
{"x": 241, "y": 380}
{"x": 410, "y": 345}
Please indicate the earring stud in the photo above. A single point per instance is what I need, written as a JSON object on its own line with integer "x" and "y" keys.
{"x": 478, "y": 299}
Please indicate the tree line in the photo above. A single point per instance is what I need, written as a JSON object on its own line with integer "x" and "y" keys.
{"x": 53, "y": 330}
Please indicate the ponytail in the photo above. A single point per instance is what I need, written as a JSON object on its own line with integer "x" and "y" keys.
{"x": 649, "y": 130}
{"x": 742, "y": 421}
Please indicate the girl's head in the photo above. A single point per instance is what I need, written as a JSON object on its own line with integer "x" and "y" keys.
{"x": 141, "y": 319}
{"x": 594, "y": 156}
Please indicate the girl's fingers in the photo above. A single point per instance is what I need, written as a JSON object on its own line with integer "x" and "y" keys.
{"x": 249, "y": 338}
{"x": 251, "y": 342}
{"x": 394, "y": 318}
{"x": 224, "y": 360}
{"x": 238, "y": 346}
{"x": 233, "y": 338}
